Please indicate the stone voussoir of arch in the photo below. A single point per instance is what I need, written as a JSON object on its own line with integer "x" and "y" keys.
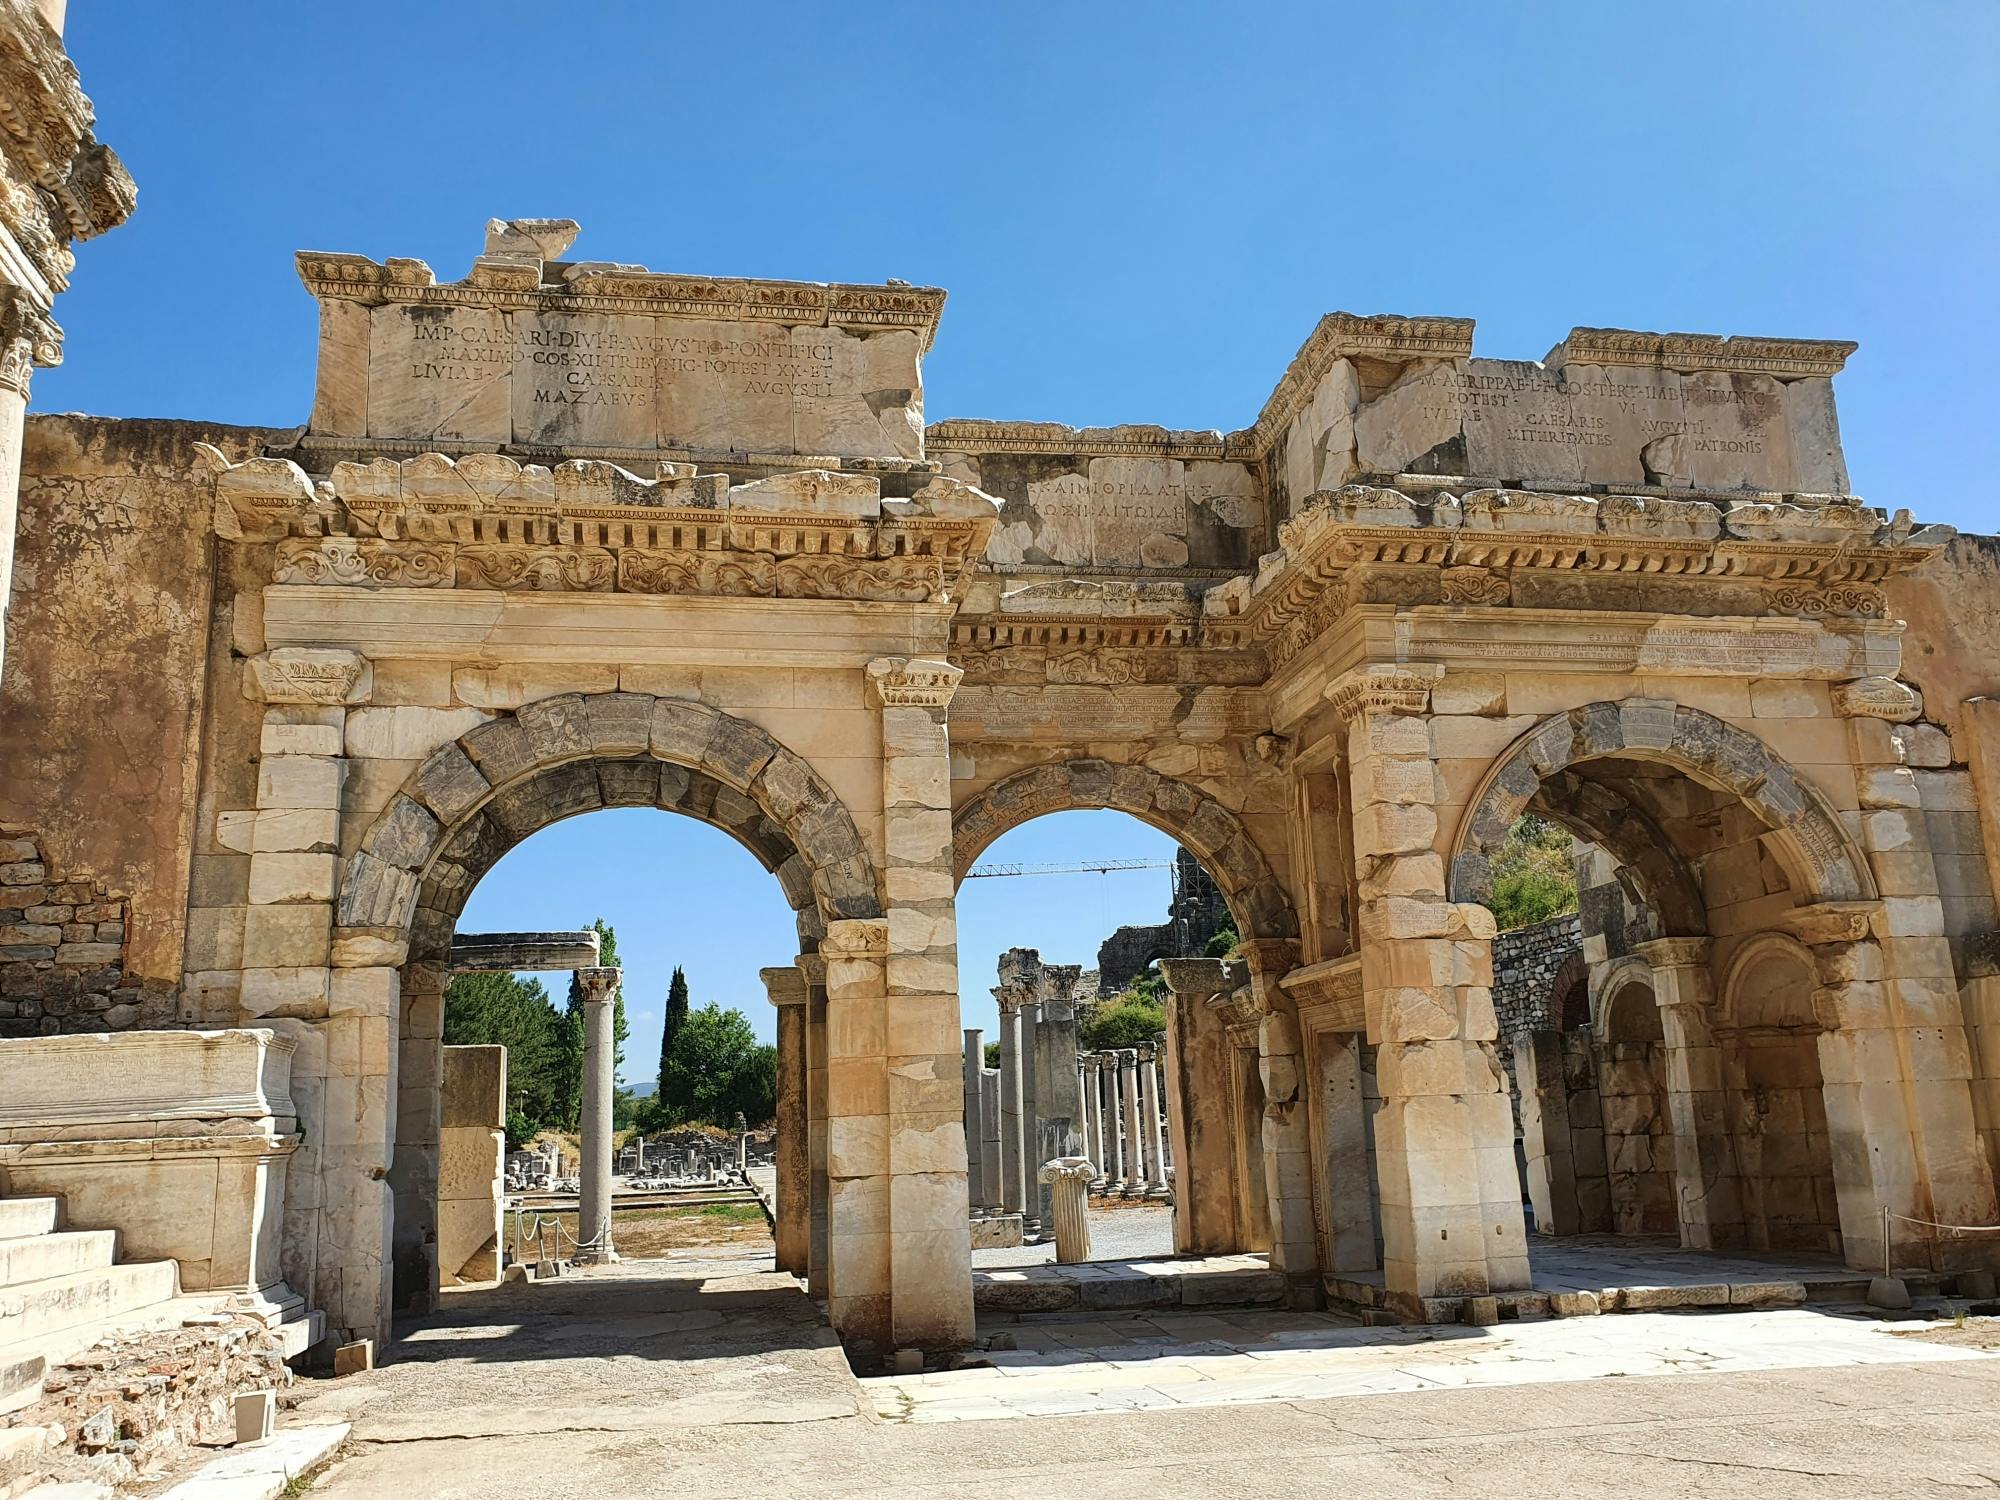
{"x": 550, "y": 758}
{"x": 1210, "y": 831}
{"x": 1708, "y": 749}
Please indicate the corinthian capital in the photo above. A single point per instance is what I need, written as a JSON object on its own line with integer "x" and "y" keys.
{"x": 598, "y": 985}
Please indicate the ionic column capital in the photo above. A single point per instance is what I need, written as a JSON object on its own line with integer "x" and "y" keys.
{"x": 598, "y": 985}
{"x": 1675, "y": 953}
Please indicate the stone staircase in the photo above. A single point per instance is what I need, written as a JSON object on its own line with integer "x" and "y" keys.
{"x": 61, "y": 1289}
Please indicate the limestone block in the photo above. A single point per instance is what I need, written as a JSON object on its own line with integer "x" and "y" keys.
{"x": 309, "y": 781}
{"x": 406, "y": 733}
{"x": 511, "y": 686}
{"x": 1404, "y": 423}
{"x": 450, "y": 784}
{"x": 1390, "y": 828}
{"x": 300, "y": 739}
{"x": 314, "y": 830}
{"x": 279, "y": 878}
{"x": 299, "y": 993}
{"x": 287, "y": 936}
{"x": 364, "y": 992}
{"x": 1470, "y": 693}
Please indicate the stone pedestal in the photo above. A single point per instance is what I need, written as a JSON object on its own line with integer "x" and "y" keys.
{"x": 179, "y": 1140}
{"x": 1068, "y": 1181}
{"x": 792, "y": 1205}
{"x": 472, "y": 1150}
{"x": 593, "y": 1225}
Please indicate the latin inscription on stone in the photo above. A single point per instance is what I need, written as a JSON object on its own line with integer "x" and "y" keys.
{"x": 611, "y": 380}
{"x": 1616, "y": 425}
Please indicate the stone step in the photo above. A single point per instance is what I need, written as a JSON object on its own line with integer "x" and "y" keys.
{"x": 46, "y": 1255}
{"x": 75, "y": 1489}
{"x": 38, "y": 1308}
{"x": 20, "y": 1217}
{"x": 21, "y": 1373}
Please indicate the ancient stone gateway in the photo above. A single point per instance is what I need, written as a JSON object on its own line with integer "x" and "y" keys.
{"x": 563, "y": 535}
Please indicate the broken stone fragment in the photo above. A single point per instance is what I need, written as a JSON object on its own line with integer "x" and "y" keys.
{"x": 538, "y": 239}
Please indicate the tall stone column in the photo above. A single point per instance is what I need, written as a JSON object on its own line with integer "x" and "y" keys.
{"x": 1114, "y": 1127}
{"x": 1093, "y": 1103}
{"x": 1132, "y": 1182}
{"x": 989, "y": 1142}
{"x": 1031, "y": 1118}
{"x": 929, "y": 1223}
{"x": 1149, "y": 1123}
{"x": 1707, "y": 1191}
{"x": 1444, "y": 1141}
{"x": 1013, "y": 1159}
{"x": 600, "y": 1061}
{"x": 974, "y": 1072}
{"x": 792, "y": 1198}
{"x": 1284, "y": 1132}
{"x": 1058, "y": 1103}
{"x": 27, "y": 338}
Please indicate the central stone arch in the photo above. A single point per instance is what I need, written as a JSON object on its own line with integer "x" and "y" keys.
{"x": 1209, "y": 831}
{"x": 1706, "y": 749}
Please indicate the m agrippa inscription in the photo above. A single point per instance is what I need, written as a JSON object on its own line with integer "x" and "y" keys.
{"x": 1637, "y": 426}
{"x": 549, "y": 357}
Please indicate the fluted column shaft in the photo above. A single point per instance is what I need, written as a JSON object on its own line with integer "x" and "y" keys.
{"x": 1013, "y": 1180}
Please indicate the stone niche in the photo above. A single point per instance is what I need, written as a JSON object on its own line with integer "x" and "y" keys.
{"x": 178, "y": 1140}
{"x": 1382, "y": 396}
{"x": 544, "y": 354}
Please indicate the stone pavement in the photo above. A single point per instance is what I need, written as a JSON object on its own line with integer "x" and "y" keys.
{"x": 717, "y": 1379}
{"x": 1170, "y": 1360}
{"x": 1144, "y": 1233}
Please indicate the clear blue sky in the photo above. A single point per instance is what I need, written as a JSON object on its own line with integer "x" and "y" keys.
{"x": 1139, "y": 211}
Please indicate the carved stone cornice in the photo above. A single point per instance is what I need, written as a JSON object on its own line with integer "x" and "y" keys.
{"x": 1786, "y": 358}
{"x": 602, "y": 287}
{"x": 586, "y": 526}
{"x": 58, "y": 182}
{"x": 1808, "y": 562}
{"x": 977, "y": 436}
{"x": 784, "y": 985}
{"x": 1675, "y": 952}
{"x": 1087, "y": 632}
{"x": 904, "y": 682}
{"x": 1384, "y": 688}
{"x": 1830, "y": 922}
{"x": 1328, "y": 994}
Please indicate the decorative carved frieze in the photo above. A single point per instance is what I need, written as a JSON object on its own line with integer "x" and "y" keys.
{"x": 310, "y": 674}
{"x": 905, "y": 682}
{"x": 1788, "y": 358}
{"x": 1878, "y": 698}
{"x": 1384, "y": 688}
{"x": 586, "y": 526}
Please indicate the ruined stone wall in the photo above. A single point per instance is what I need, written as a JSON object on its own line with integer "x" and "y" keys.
{"x": 1196, "y": 913}
{"x": 62, "y": 946}
{"x": 1525, "y": 964}
{"x": 107, "y": 680}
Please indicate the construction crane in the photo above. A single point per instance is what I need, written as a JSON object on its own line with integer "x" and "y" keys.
{"x": 1100, "y": 867}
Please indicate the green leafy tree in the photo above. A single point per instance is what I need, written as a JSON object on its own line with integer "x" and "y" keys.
{"x": 1127, "y": 1021}
{"x": 486, "y": 1010}
{"x": 676, "y": 1018}
{"x": 1533, "y": 876}
{"x": 716, "y": 1068}
{"x": 1222, "y": 944}
{"x": 992, "y": 1054}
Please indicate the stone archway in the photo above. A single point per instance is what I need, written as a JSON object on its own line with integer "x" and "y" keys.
{"x": 1213, "y": 834}
{"x": 476, "y": 797}
{"x": 1706, "y": 749}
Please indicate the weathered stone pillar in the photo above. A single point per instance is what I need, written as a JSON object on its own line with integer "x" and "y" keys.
{"x": 1444, "y": 1138}
{"x": 1093, "y": 1118}
{"x": 1013, "y": 1160}
{"x": 1149, "y": 1122}
{"x": 1031, "y": 1117}
{"x": 1545, "y": 1132}
{"x": 812, "y": 968}
{"x": 1068, "y": 1182}
{"x": 1057, "y": 1101}
{"x": 973, "y": 1069}
{"x": 1347, "y": 1173}
{"x": 1707, "y": 1192}
{"x": 1132, "y": 1170}
{"x": 989, "y": 1141}
{"x": 1199, "y": 1070}
{"x": 930, "y": 1233}
{"x": 1285, "y": 1130}
{"x": 600, "y": 1060}
{"x": 792, "y": 1197}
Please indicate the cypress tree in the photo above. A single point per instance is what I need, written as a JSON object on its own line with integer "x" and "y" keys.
{"x": 676, "y": 1019}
